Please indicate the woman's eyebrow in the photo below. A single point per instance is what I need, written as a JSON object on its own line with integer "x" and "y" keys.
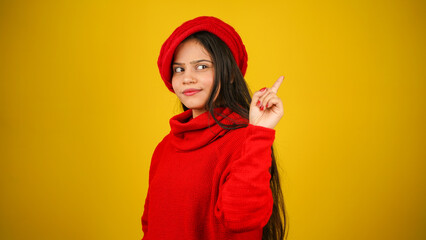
{"x": 193, "y": 62}
{"x": 202, "y": 60}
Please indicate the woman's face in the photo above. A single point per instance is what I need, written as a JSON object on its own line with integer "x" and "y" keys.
{"x": 193, "y": 75}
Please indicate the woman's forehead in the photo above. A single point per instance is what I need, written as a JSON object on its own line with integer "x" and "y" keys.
{"x": 191, "y": 50}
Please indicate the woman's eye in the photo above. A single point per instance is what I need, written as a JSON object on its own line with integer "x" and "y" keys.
{"x": 178, "y": 69}
{"x": 200, "y": 67}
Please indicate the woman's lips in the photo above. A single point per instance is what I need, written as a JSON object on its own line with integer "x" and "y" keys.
{"x": 191, "y": 91}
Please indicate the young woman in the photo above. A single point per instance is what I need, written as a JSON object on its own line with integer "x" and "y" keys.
{"x": 214, "y": 176}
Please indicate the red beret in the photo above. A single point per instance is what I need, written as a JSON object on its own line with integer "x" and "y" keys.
{"x": 209, "y": 24}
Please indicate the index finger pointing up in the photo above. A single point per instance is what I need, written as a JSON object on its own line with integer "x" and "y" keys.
{"x": 277, "y": 84}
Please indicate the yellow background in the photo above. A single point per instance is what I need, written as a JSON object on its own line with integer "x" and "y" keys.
{"x": 82, "y": 107}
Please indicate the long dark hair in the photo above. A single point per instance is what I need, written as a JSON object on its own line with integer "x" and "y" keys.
{"x": 232, "y": 91}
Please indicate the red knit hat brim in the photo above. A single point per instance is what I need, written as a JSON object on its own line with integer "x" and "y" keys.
{"x": 210, "y": 24}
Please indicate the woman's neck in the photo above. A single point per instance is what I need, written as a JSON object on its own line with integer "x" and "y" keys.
{"x": 197, "y": 112}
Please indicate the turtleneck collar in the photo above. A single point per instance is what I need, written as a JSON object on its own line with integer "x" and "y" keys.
{"x": 189, "y": 133}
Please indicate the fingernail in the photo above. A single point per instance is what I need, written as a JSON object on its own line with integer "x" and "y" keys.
{"x": 263, "y": 89}
{"x": 261, "y": 108}
{"x": 266, "y": 105}
{"x": 258, "y": 103}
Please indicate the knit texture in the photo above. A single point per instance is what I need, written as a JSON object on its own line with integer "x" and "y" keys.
{"x": 210, "y": 24}
{"x": 206, "y": 182}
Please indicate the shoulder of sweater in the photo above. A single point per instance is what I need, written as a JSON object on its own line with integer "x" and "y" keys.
{"x": 160, "y": 146}
{"x": 164, "y": 140}
{"x": 156, "y": 156}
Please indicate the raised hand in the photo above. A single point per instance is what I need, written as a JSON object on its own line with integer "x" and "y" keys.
{"x": 266, "y": 108}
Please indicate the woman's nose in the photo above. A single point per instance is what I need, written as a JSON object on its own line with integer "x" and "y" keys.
{"x": 188, "y": 77}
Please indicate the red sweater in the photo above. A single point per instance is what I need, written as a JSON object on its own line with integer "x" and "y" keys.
{"x": 206, "y": 182}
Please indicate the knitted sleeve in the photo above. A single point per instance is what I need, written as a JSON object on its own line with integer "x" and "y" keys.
{"x": 152, "y": 169}
{"x": 245, "y": 198}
